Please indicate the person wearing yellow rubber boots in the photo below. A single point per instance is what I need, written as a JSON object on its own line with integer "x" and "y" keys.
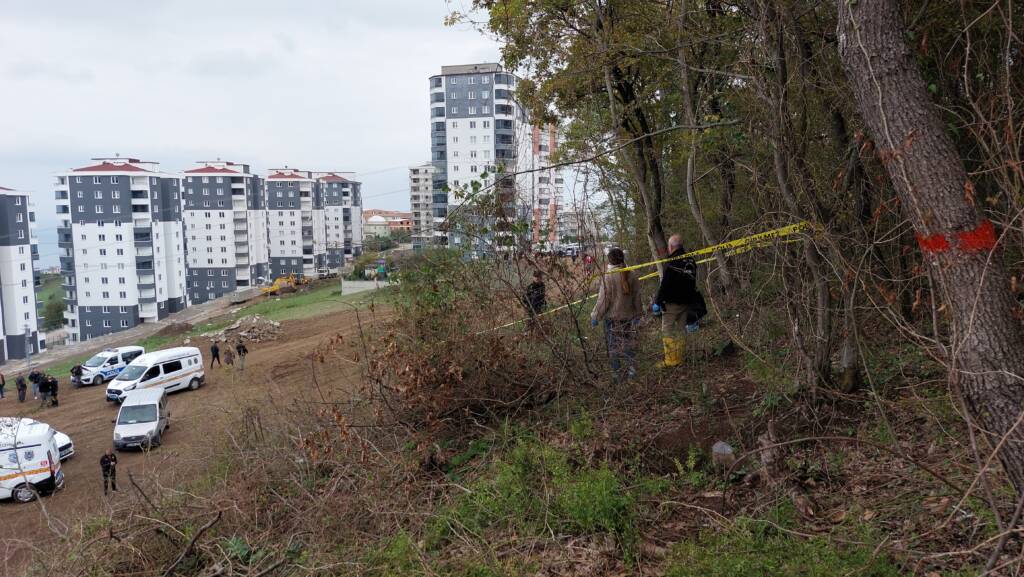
{"x": 676, "y": 301}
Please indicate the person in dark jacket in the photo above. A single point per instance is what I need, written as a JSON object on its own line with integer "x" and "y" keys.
{"x": 44, "y": 387}
{"x": 215, "y": 354}
{"x": 22, "y": 387}
{"x": 108, "y": 466}
{"x": 3, "y": 384}
{"x": 242, "y": 352}
{"x": 54, "y": 385}
{"x": 535, "y": 299}
{"x": 676, "y": 301}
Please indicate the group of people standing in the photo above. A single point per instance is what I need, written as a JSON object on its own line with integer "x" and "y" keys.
{"x": 678, "y": 303}
{"x": 43, "y": 385}
{"x": 241, "y": 351}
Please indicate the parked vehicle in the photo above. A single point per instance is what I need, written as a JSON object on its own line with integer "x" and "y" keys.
{"x": 324, "y": 273}
{"x": 105, "y": 365}
{"x": 169, "y": 369}
{"x": 29, "y": 459}
{"x": 142, "y": 419}
{"x": 64, "y": 446}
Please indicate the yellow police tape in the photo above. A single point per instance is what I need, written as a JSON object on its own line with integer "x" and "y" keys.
{"x": 758, "y": 240}
{"x": 729, "y": 248}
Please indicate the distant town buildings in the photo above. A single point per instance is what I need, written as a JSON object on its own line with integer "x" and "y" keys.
{"x": 19, "y": 335}
{"x": 479, "y": 134}
{"x": 377, "y": 222}
{"x": 137, "y": 243}
{"x": 421, "y": 181}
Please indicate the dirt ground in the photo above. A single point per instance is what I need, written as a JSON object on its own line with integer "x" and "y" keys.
{"x": 276, "y": 371}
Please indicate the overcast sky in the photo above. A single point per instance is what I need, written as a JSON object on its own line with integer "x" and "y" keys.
{"x": 312, "y": 84}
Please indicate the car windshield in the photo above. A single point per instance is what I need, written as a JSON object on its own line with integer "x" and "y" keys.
{"x": 131, "y": 372}
{"x": 96, "y": 361}
{"x": 136, "y": 414}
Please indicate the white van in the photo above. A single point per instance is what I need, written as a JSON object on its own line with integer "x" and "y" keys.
{"x": 142, "y": 419}
{"x": 29, "y": 459}
{"x": 106, "y": 364}
{"x": 169, "y": 369}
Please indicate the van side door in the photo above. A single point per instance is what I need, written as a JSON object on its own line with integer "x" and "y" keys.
{"x": 172, "y": 374}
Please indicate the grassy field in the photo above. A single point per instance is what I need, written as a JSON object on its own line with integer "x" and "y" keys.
{"x": 50, "y": 288}
{"x": 319, "y": 300}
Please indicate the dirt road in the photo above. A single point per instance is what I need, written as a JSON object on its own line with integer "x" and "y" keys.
{"x": 276, "y": 371}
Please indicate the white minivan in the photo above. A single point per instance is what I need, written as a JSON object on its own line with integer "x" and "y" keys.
{"x": 142, "y": 419}
{"x": 29, "y": 459}
{"x": 169, "y": 369}
{"x": 105, "y": 365}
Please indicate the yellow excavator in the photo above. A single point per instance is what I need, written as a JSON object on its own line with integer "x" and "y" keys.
{"x": 288, "y": 283}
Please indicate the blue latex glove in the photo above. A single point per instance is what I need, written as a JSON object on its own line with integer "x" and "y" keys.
{"x": 692, "y": 328}
{"x": 593, "y": 322}
{"x": 656, "y": 309}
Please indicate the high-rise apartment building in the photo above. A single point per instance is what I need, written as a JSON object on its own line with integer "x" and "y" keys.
{"x": 297, "y": 237}
{"x": 545, "y": 196}
{"x": 121, "y": 243}
{"x": 421, "y": 181}
{"x": 343, "y": 218}
{"x": 225, "y": 229}
{"x": 477, "y": 129}
{"x": 19, "y": 334}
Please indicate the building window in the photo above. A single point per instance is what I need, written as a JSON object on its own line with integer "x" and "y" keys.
{"x": 95, "y": 180}
{"x": 106, "y": 324}
{"x": 455, "y": 109}
{"x": 113, "y": 180}
{"x": 485, "y": 80}
{"x": 124, "y": 323}
{"x": 78, "y": 180}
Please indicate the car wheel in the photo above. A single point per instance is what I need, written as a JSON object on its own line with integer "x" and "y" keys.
{"x": 193, "y": 384}
{"x": 156, "y": 442}
{"x": 98, "y": 380}
{"x": 24, "y": 493}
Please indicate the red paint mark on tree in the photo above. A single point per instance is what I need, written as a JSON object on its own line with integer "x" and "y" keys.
{"x": 933, "y": 243}
{"x": 983, "y": 237}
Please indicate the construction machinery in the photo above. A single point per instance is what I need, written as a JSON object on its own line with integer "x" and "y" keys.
{"x": 288, "y": 283}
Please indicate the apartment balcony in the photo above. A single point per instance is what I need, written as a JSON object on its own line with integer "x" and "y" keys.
{"x": 240, "y": 217}
{"x": 63, "y": 209}
{"x": 144, "y": 250}
{"x": 60, "y": 195}
{"x": 65, "y": 241}
{"x": 241, "y": 227}
{"x": 139, "y": 183}
{"x": 142, "y": 223}
{"x": 146, "y": 279}
{"x": 242, "y": 261}
{"x": 140, "y": 195}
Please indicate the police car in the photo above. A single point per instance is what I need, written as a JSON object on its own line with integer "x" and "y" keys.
{"x": 105, "y": 365}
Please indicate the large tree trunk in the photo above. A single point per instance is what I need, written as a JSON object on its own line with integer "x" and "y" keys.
{"x": 690, "y": 113}
{"x": 986, "y": 351}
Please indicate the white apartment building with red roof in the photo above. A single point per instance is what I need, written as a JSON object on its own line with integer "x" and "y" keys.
{"x": 342, "y": 201}
{"x": 225, "y": 216}
{"x": 122, "y": 245}
{"x": 296, "y": 233}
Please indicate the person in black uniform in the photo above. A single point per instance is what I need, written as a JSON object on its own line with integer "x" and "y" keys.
{"x": 108, "y": 465}
{"x": 215, "y": 354}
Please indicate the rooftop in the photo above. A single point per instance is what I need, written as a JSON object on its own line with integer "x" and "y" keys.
{"x": 472, "y": 68}
{"x": 107, "y": 166}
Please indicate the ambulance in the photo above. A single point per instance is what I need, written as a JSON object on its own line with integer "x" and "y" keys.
{"x": 29, "y": 459}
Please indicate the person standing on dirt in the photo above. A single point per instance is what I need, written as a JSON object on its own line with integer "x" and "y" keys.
{"x": 242, "y": 351}
{"x": 3, "y": 384}
{"x": 676, "y": 301}
{"x": 43, "y": 385}
{"x": 54, "y": 385}
{"x": 618, "y": 305}
{"x": 22, "y": 387}
{"x": 229, "y": 357}
{"x": 108, "y": 466}
{"x": 215, "y": 354}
